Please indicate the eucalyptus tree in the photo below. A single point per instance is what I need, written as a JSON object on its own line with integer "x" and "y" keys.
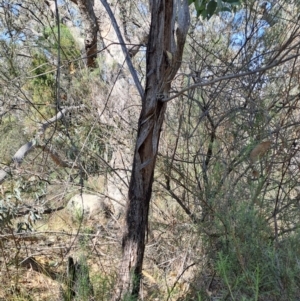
{"x": 169, "y": 26}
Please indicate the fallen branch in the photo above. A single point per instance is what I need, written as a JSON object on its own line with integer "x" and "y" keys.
{"x": 37, "y": 211}
{"x": 55, "y": 157}
{"x": 29, "y": 146}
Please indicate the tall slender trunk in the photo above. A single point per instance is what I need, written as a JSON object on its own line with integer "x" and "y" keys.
{"x": 164, "y": 56}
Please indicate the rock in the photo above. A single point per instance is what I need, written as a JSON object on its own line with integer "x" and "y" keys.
{"x": 89, "y": 205}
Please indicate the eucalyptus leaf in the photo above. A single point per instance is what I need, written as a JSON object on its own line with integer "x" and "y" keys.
{"x": 211, "y": 8}
{"x": 207, "y": 8}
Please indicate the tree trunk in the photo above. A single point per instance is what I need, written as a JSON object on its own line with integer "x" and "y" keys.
{"x": 89, "y": 20}
{"x": 164, "y": 56}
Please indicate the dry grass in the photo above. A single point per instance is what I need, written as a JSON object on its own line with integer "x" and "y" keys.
{"x": 33, "y": 265}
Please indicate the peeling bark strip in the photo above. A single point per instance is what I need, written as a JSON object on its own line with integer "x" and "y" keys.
{"x": 164, "y": 55}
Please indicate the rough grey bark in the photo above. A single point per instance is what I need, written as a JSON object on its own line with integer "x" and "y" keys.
{"x": 164, "y": 54}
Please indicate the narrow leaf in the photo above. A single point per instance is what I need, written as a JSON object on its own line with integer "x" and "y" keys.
{"x": 211, "y": 7}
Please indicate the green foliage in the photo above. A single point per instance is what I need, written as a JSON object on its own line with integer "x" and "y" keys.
{"x": 6, "y": 216}
{"x": 13, "y": 199}
{"x": 84, "y": 285}
{"x": 7, "y": 53}
{"x": 102, "y": 287}
{"x": 11, "y": 131}
{"x": 42, "y": 82}
{"x": 65, "y": 41}
{"x": 78, "y": 283}
{"x": 251, "y": 265}
{"x": 41, "y": 86}
{"x": 41, "y": 71}
{"x": 207, "y": 8}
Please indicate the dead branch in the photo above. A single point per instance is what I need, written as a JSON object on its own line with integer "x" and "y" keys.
{"x": 55, "y": 157}
{"x": 124, "y": 49}
{"x": 29, "y": 146}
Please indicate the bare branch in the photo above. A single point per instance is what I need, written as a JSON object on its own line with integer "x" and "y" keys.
{"x": 55, "y": 157}
{"x": 23, "y": 151}
{"x": 124, "y": 49}
{"x": 36, "y": 211}
{"x": 57, "y": 117}
{"x": 29, "y": 146}
{"x": 230, "y": 76}
{"x": 3, "y": 174}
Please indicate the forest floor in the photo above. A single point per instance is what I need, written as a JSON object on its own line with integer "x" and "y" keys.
{"x": 34, "y": 264}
